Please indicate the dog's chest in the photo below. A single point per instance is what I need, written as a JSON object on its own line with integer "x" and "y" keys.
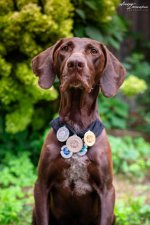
{"x": 76, "y": 177}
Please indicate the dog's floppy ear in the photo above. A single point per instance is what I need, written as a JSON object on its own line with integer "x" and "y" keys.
{"x": 43, "y": 66}
{"x": 113, "y": 74}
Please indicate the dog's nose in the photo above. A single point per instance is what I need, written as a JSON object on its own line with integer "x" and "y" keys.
{"x": 75, "y": 64}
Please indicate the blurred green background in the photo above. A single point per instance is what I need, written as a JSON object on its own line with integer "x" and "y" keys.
{"x": 26, "y": 28}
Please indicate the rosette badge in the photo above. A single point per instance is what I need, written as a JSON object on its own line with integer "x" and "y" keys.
{"x": 65, "y": 153}
{"x": 83, "y": 151}
{"x": 74, "y": 143}
{"x": 89, "y": 138}
{"x": 62, "y": 134}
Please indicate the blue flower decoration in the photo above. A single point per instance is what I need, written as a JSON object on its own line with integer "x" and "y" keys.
{"x": 83, "y": 150}
{"x": 65, "y": 153}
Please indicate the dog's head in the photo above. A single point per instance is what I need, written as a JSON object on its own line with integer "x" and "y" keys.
{"x": 79, "y": 63}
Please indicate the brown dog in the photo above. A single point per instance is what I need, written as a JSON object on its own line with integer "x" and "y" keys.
{"x": 77, "y": 190}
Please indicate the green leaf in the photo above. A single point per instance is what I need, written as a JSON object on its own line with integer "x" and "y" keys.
{"x": 81, "y": 13}
{"x": 119, "y": 123}
{"x": 122, "y": 111}
{"x": 91, "y": 4}
{"x": 111, "y": 41}
{"x": 94, "y": 33}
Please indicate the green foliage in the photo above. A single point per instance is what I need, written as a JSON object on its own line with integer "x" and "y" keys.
{"x": 138, "y": 65}
{"x": 61, "y": 12}
{"x": 11, "y": 204}
{"x": 26, "y": 28}
{"x": 6, "y": 6}
{"x": 95, "y": 19}
{"x": 19, "y": 119}
{"x": 132, "y": 211}
{"x": 17, "y": 175}
{"x": 23, "y": 142}
{"x": 17, "y": 171}
{"x": 98, "y": 11}
{"x": 133, "y": 86}
{"x": 130, "y": 156}
{"x": 114, "y": 112}
{"x": 5, "y": 67}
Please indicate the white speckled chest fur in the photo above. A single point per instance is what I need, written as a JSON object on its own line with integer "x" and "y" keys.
{"x": 76, "y": 176}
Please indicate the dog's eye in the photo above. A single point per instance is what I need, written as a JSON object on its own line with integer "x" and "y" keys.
{"x": 94, "y": 51}
{"x": 65, "y": 48}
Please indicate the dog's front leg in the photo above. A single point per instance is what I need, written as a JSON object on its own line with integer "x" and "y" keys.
{"x": 41, "y": 210}
{"x": 107, "y": 201}
{"x": 107, "y": 197}
{"x": 47, "y": 171}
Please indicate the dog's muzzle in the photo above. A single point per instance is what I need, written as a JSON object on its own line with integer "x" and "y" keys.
{"x": 75, "y": 81}
{"x": 75, "y": 73}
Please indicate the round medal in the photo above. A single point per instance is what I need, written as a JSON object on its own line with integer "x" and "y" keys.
{"x": 83, "y": 151}
{"x": 74, "y": 143}
{"x": 62, "y": 134}
{"x": 65, "y": 153}
{"x": 89, "y": 138}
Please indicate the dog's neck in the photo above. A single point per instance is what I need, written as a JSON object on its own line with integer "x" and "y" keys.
{"x": 79, "y": 108}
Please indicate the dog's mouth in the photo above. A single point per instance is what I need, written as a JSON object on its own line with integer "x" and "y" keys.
{"x": 76, "y": 84}
{"x": 77, "y": 81}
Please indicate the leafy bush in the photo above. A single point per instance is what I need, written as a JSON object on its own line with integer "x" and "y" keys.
{"x": 114, "y": 112}
{"x": 22, "y": 142}
{"x": 138, "y": 65}
{"x": 17, "y": 177}
{"x": 130, "y": 156}
{"x": 98, "y": 11}
{"x": 132, "y": 211}
{"x": 95, "y": 19}
{"x": 133, "y": 86}
{"x": 13, "y": 205}
{"x": 17, "y": 171}
{"x": 26, "y": 27}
